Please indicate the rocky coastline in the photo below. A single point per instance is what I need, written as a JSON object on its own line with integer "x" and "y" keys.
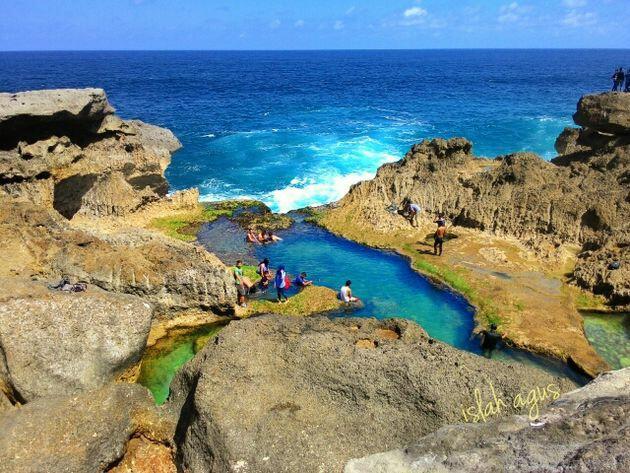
{"x": 83, "y": 196}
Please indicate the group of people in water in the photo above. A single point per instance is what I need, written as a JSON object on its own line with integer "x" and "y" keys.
{"x": 618, "y": 78}
{"x": 261, "y": 237}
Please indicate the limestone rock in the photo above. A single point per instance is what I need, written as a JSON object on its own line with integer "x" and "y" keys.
{"x": 606, "y": 113}
{"x": 66, "y": 150}
{"x": 56, "y": 343}
{"x": 171, "y": 274}
{"x": 89, "y": 432}
{"x": 585, "y": 430}
{"x": 309, "y": 394}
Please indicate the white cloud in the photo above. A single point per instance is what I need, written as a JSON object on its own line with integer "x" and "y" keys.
{"x": 574, "y": 3}
{"x": 414, "y": 12}
{"x": 275, "y": 24}
{"x": 515, "y": 13}
{"x": 299, "y": 24}
{"x": 338, "y": 25}
{"x": 575, "y": 19}
{"x": 351, "y": 10}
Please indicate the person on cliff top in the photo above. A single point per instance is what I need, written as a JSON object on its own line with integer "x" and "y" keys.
{"x": 252, "y": 237}
{"x": 618, "y": 78}
{"x": 438, "y": 238}
{"x": 241, "y": 283}
{"x": 280, "y": 282}
{"x": 345, "y": 293}
{"x": 301, "y": 280}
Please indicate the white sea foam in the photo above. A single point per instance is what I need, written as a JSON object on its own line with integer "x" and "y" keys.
{"x": 328, "y": 189}
{"x": 209, "y": 135}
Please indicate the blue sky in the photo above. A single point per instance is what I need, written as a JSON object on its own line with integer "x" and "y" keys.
{"x": 313, "y": 24}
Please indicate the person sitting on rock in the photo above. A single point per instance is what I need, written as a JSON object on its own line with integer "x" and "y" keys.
{"x": 345, "y": 293}
{"x": 301, "y": 280}
{"x": 263, "y": 267}
{"x": 251, "y": 236}
{"x": 263, "y": 284}
{"x": 241, "y": 283}
{"x": 439, "y": 236}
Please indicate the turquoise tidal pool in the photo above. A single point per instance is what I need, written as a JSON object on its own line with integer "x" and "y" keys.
{"x": 610, "y": 336}
{"x": 384, "y": 281}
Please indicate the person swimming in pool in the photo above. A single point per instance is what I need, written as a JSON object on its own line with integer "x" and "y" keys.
{"x": 252, "y": 237}
{"x": 345, "y": 293}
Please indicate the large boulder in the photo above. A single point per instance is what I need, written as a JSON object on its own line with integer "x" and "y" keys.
{"x": 275, "y": 393}
{"x": 96, "y": 431}
{"x": 585, "y": 430}
{"x": 66, "y": 150}
{"x": 171, "y": 274}
{"x": 606, "y": 113}
{"x": 55, "y": 343}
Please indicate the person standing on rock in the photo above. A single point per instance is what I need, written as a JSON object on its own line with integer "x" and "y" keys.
{"x": 440, "y": 233}
{"x": 281, "y": 284}
{"x": 239, "y": 280}
{"x": 618, "y": 78}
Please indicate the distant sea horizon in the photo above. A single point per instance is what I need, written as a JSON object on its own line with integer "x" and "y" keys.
{"x": 298, "y": 127}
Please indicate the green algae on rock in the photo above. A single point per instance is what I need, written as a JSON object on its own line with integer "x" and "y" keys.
{"x": 610, "y": 335}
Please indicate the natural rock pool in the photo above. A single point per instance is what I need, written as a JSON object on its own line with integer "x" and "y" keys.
{"x": 162, "y": 360}
{"x": 383, "y": 280}
{"x": 610, "y": 336}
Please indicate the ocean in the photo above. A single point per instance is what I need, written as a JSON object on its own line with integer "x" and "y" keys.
{"x": 298, "y": 128}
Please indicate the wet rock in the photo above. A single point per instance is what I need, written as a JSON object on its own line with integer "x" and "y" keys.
{"x": 584, "y": 430}
{"x": 606, "y": 113}
{"x": 55, "y": 343}
{"x": 90, "y": 432}
{"x": 310, "y": 393}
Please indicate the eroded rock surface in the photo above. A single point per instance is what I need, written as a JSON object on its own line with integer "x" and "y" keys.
{"x": 66, "y": 150}
{"x": 56, "y": 343}
{"x": 308, "y": 394}
{"x": 586, "y": 430}
{"x": 90, "y": 432}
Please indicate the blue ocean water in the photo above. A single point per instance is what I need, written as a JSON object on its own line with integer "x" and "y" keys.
{"x": 298, "y": 128}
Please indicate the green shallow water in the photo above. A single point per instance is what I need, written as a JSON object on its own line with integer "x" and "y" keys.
{"x": 610, "y": 336}
{"x": 161, "y": 361}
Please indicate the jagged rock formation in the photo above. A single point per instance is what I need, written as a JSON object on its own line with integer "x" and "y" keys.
{"x": 308, "y": 394}
{"x": 585, "y": 430}
{"x": 97, "y": 431}
{"x": 56, "y": 344}
{"x": 581, "y": 198}
{"x": 65, "y": 149}
{"x": 65, "y": 157}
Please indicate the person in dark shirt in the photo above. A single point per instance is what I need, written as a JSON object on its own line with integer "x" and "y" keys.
{"x": 489, "y": 339}
{"x": 301, "y": 280}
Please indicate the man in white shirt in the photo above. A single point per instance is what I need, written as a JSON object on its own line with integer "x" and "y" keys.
{"x": 345, "y": 293}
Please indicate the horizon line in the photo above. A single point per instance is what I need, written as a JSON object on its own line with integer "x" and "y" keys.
{"x": 321, "y": 50}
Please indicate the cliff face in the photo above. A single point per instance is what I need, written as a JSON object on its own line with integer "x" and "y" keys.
{"x": 65, "y": 149}
{"x": 580, "y": 199}
{"x": 65, "y": 159}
